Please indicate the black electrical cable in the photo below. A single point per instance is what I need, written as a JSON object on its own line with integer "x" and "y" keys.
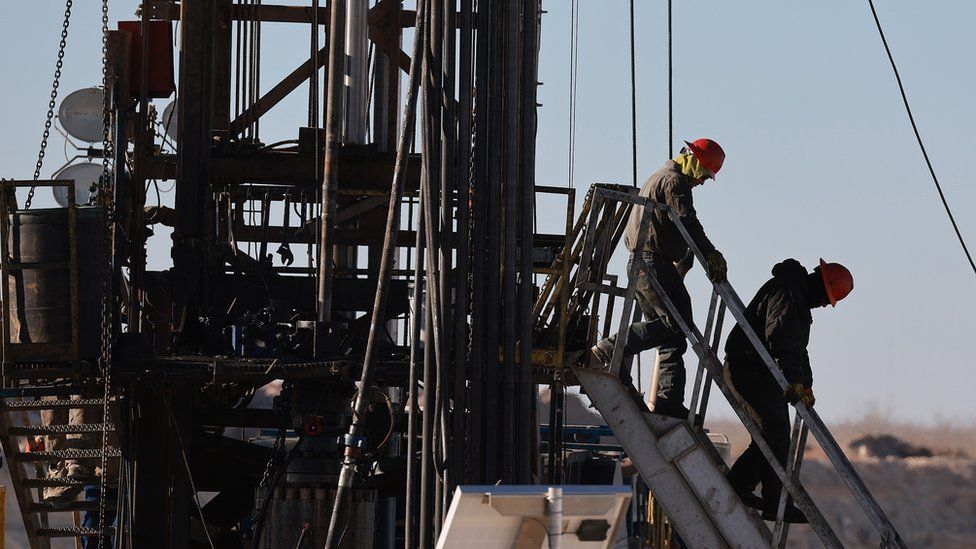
{"x": 573, "y": 68}
{"x": 633, "y": 129}
{"x": 918, "y": 137}
{"x": 670, "y": 87}
{"x": 189, "y": 474}
{"x": 633, "y": 93}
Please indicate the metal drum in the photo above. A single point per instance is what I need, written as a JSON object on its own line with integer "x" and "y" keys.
{"x": 40, "y": 298}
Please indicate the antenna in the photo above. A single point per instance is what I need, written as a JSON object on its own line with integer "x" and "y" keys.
{"x": 80, "y": 114}
{"x": 85, "y": 175}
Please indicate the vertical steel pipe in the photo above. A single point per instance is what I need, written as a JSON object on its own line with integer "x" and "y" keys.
{"x": 449, "y": 285}
{"x": 483, "y": 362}
{"x": 358, "y": 426}
{"x": 330, "y": 179}
{"x": 357, "y": 71}
{"x": 412, "y": 490}
{"x": 527, "y": 390}
{"x": 493, "y": 264}
{"x": 461, "y": 457}
{"x": 510, "y": 81}
{"x": 425, "y": 539}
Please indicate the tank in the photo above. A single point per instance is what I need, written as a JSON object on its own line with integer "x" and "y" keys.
{"x": 40, "y": 299}
{"x": 298, "y": 516}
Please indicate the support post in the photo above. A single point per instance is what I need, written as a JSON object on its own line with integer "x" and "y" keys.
{"x": 193, "y": 163}
{"x": 554, "y": 502}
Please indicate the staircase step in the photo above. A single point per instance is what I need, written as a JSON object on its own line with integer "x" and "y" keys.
{"x": 62, "y": 391}
{"x": 63, "y": 506}
{"x": 11, "y": 405}
{"x": 58, "y": 455}
{"x": 69, "y": 532}
{"x": 31, "y": 430}
{"x": 65, "y": 481}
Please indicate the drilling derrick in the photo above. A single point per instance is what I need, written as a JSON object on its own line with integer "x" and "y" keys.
{"x": 344, "y": 340}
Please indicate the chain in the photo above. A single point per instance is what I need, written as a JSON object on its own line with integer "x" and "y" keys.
{"x": 471, "y": 476}
{"x": 277, "y": 453}
{"x": 277, "y": 449}
{"x": 107, "y": 200}
{"x": 54, "y": 97}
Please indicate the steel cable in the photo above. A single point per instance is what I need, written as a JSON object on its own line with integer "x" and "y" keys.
{"x": 573, "y": 71}
{"x": 918, "y": 137}
{"x": 633, "y": 129}
{"x": 670, "y": 86}
{"x": 633, "y": 94}
{"x": 58, "y": 65}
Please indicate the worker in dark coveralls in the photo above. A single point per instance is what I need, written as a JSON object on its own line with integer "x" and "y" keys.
{"x": 780, "y": 316}
{"x": 666, "y": 253}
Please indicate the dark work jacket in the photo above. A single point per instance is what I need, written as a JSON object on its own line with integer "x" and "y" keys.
{"x": 667, "y": 186}
{"x": 781, "y": 318}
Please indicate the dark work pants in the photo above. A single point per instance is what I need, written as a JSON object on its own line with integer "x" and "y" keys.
{"x": 761, "y": 391}
{"x": 91, "y": 517}
{"x": 659, "y": 329}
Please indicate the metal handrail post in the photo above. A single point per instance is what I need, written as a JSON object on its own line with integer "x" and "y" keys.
{"x": 783, "y": 494}
{"x": 707, "y": 388}
{"x": 709, "y": 320}
{"x": 797, "y": 462}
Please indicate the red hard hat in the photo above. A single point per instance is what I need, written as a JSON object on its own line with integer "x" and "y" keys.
{"x": 837, "y": 280}
{"x": 709, "y": 154}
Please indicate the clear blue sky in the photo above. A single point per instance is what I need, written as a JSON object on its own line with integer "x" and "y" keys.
{"x": 821, "y": 159}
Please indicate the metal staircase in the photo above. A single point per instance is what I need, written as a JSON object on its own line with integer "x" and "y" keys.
{"x": 677, "y": 463}
{"x": 672, "y": 455}
{"x": 26, "y": 438}
{"x": 46, "y": 415}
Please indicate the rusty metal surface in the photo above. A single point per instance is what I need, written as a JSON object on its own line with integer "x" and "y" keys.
{"x": 46, "y": 316}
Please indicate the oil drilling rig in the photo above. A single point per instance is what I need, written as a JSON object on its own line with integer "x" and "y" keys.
{"x": 383, "y": 264}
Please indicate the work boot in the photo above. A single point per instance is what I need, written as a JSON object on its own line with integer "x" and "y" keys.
{"x": 64, "y": 493}
{"x": 676, "y": 410}
{"x": 603, "y": 351}
{"x": 793, "y": 514}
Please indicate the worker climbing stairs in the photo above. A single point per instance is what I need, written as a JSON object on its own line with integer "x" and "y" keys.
{"x": 673, "y": 455}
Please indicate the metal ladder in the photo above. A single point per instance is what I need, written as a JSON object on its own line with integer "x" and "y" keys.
{"x": 724, "y": 298}
{"x": 41, "y": 376}
{"x": 25, "y": 459}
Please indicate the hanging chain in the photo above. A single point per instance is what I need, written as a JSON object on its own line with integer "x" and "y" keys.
{"x": 51, "y": 104}
{"x": 107, "y": 199}
{"x": 276, "y": 453}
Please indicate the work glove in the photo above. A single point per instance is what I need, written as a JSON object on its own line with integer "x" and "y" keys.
{"x": 717, "y": 268}
{"x": 796, "y": 392}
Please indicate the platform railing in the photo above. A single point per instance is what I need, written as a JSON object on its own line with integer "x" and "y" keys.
{"x": 12, "y": 267}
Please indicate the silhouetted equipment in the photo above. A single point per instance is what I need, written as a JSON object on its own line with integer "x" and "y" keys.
{"x": 350, "y": 389}
{"x": 40, "y": 286}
